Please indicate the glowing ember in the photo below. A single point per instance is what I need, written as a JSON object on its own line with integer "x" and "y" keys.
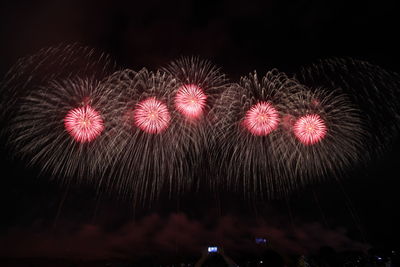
{"x": 190, "y": 100}
{"x": 84, "y": 124}
{"x": 288, "y": 121}
{"x": 151, "y": 116}
{"x": 310, "y": 129}
{"x": 261, "y": 119}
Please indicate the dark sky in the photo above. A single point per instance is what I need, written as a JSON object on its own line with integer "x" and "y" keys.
{"x": 44, "y": 219}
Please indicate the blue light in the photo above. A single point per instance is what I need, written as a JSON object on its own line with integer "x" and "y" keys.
{"x": 261, "y": 240}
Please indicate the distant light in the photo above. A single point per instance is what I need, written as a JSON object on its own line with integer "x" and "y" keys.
{"x": 212, "y": 249}
{"x": 260, "y": 240}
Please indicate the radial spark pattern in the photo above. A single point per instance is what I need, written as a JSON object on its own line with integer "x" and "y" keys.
{"x": 84, "y": 124}
{"x": 190, "y": 100}
{"x": 200, "y": 84}
{"x": 310, "y": 129}
{"x": 64, "y": 128}
{"x": 261, "y": 119}
{"x": 152, "y": 116}
{"x": 371, "y": 88}
{"x": 323, "y": 136}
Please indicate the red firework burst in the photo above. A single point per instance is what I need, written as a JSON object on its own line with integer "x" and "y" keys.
{"x": 261, "y": 119}
{"x": 310, "y": 129}
{"x": 84, "y": 124}
{"x": 151, "y": 116}
{"x": 190, "y": 100}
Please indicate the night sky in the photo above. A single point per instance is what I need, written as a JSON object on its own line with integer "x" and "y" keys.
{"x": 42, "y": 218}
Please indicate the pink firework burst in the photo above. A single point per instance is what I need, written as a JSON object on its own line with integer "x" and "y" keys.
{"x": 261, "y": 119}
{"x": 310, "y": 129}
{"x": 84, "y": 124}
{"x": 190, "y": 100}
{"x": 151, "y": 116}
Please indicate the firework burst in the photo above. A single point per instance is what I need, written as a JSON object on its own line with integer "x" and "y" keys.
{"x": 151, "y": 115}
{"x": 247, "y": 134}
{"x": 309, "y": 129}
{"x": 374, "y": 90}
{"x": 261, "y": 119}
{"x": 199, "y": 85}
{"x": 84, "y": 124}
{"x": 63, "y": 127}
{"x": 323, "y": 136}
{"x": 190, "y": 100}
{"x": 152, "y": 143}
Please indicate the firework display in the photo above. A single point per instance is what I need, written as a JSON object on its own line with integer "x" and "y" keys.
{"x": 70, "y": 111}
